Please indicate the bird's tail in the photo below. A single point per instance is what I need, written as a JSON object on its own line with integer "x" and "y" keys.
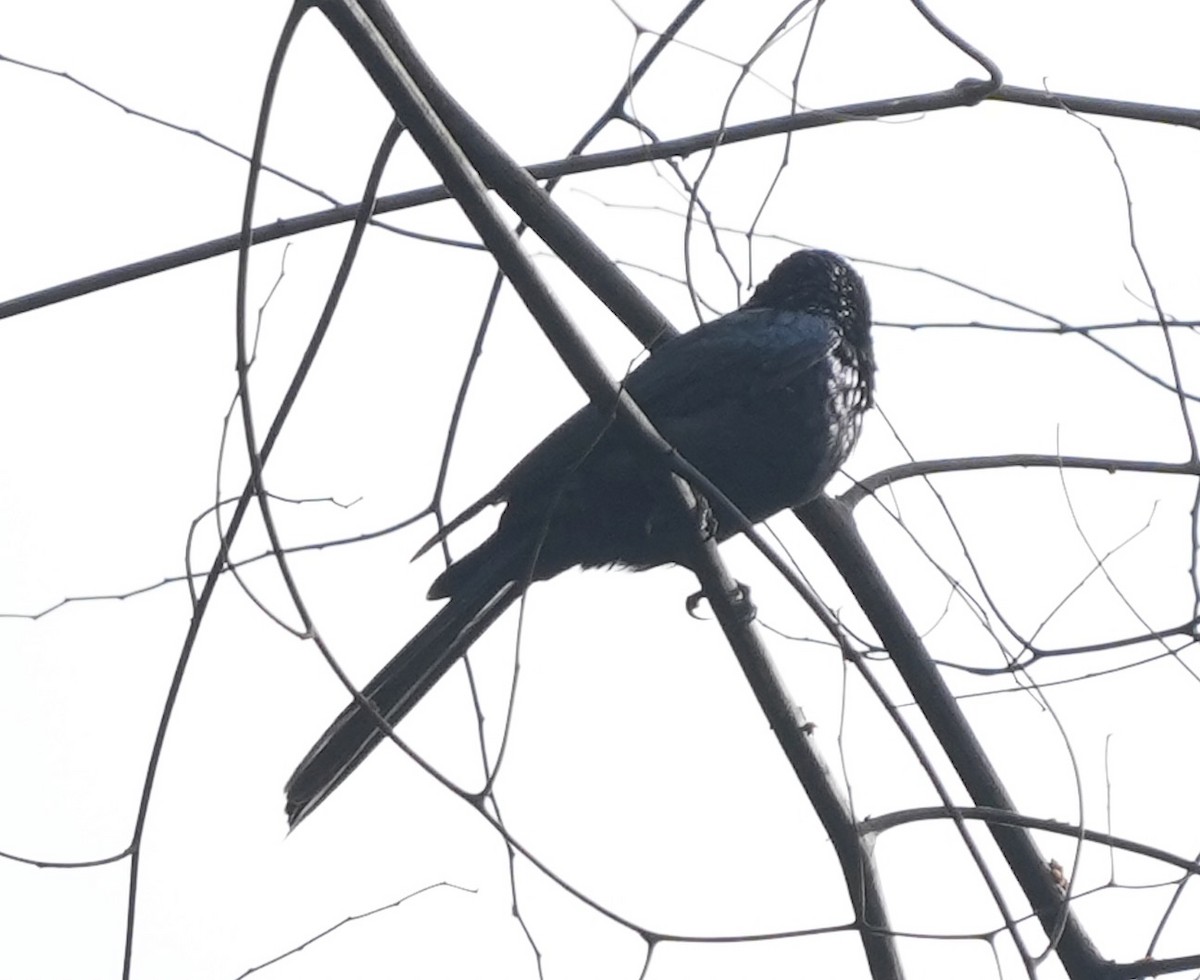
{"x": 398, "y": 687}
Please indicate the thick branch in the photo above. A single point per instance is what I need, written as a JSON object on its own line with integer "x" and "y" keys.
{"x": 794, "y": 734}
{"x": 832, "y": 524}
{"x": 377, "y": 40}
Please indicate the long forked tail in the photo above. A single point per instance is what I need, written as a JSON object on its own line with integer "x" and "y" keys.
{"x": 396, "y": 689}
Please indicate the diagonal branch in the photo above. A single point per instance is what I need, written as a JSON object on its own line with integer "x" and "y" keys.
{"x": 627, "y": 156}
{"x": 832, "y": 524}
{"x": 378, "y": 41}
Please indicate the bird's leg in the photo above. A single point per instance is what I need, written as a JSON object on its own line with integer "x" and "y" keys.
{"x": 739, "y": 596}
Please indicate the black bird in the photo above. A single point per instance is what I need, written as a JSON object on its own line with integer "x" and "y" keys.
{"x": 766, "y": 402}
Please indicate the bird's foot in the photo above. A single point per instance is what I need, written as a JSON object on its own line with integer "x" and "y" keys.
{"x": 706, "y": 519}
{"x": 739, "y": 596}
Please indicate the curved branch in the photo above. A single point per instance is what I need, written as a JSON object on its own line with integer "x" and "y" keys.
{"x": 905, "y": 471}
{"x": 1007, "y": 818}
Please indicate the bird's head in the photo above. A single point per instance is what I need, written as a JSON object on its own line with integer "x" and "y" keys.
{"x": 822, "y": 283}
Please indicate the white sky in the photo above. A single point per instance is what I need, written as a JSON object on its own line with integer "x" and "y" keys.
{"x": 638, "y": 766}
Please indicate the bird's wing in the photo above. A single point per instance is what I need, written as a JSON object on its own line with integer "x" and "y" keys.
{"x": 553, "y": 455}
{"x": 733, "y": 359}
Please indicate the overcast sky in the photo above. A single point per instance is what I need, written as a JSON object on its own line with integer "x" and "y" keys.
{"x": 638, "y": 767}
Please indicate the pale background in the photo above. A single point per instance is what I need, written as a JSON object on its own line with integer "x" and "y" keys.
{"x": 639, "y": 768}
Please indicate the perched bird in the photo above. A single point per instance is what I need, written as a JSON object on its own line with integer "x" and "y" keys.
{"x": 766, "y": 402}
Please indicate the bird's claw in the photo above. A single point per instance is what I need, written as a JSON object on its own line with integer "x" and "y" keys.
{"x": 739, "y": 597}
{"x": 706, "y": 519}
